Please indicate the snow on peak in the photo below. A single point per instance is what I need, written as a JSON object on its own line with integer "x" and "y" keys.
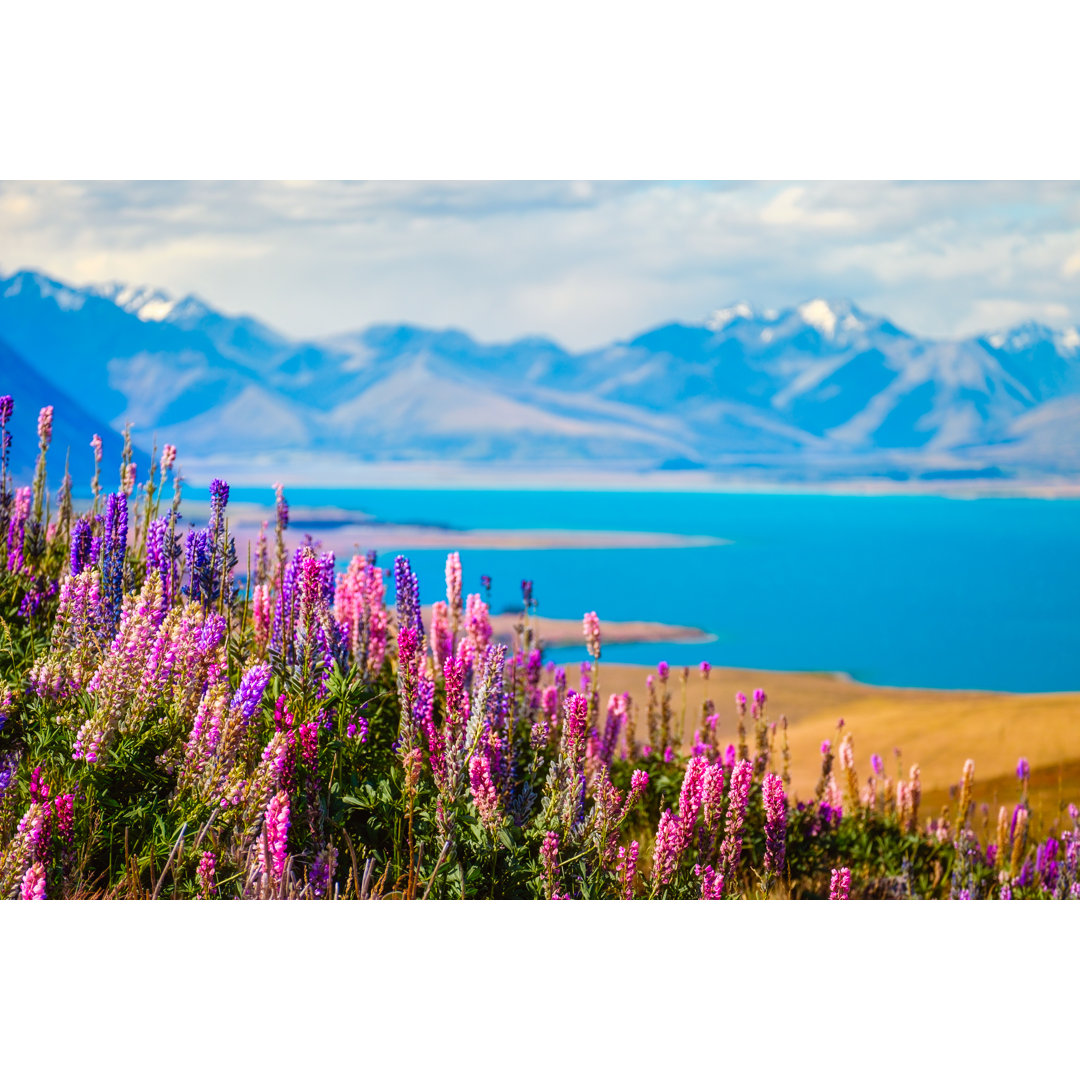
{"x": 721, "y": 317}
{"x": 142, "y": 301}
{"x": 1070, "y": 339}
{"x": 65, "y": 297}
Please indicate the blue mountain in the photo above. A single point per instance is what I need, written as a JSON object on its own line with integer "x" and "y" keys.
{"x": 822, "y": 388}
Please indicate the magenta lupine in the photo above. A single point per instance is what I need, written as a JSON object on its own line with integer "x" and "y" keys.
{"x": 20, "y": 513}
{"x": 690, "y": 796}
{"x": 712, "y": 883}
{"x": 626, "y": 869}
{"x": 617, "y": 712}
{"x": 276, "y": 834}
{"x": 33, "y": 883}
{"x": 484, "y": 795}
{"x": 591, "y": 629}
{"x": 667, "y": 849}
{"x": 477, "y": 624}
{"x": 442, "y": 635}
{"x": 712, "y": 800}
{"x": 772, "y": 793}
{"x": 731, "y": 848}
{"x": 549, "y": 863}
{"x": 207, "y": 875}
{"x": 840, "y": 884}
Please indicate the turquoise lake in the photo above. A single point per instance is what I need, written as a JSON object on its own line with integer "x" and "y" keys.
{"x": 918, "y": 591}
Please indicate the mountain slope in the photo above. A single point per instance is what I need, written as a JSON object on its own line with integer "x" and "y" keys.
{"x": 819, "y": 388}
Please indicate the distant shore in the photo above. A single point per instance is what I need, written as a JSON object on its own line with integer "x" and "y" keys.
{"x": 320, "y": 472}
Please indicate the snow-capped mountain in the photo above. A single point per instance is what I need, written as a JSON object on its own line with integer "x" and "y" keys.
{"x": 816, "y": 389}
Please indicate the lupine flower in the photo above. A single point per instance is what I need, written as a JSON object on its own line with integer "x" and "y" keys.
{"x": 407, "y": 590}
{"x": 168, "y": 457}
{"x": 20, "y": 513}
{"x": 95, "y": 445}
{"x": 276, "y": 833}
{"x": 731, "y": 848}
{"x": 666, "y": 849}
{"x": 840, "y": 884}
{"x": 207, "y": 874}
{"x": 115, "y": 547}
{"x": 775, "y": 801}
{"x": 33, "y": 883}
{"x": 626, "y": 868}
{"x": 485, "y": 796}
{"x": 1023, "y": 769}
{"x": 706, "y": 667}
{"x": 127, "y": 480}
{"x": 876, "y": 764}
{"x": 591, "y": 629}
{"x": 453, "y": 589}
{"x": 549, "y": 862}
{"x": 44, "y": 426}
{"x": 712, "y": 883}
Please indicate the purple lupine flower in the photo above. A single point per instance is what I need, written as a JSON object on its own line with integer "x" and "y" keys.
{"x": 82, "y": 535}
{"x": 219, "y": 499}
{"x": 772, "y": 793}
{"x": 759, "y": 698}
{"x": 407, "y": 595}
{"x": 1023, "y": 770}
{"x": 7, "y": 406}
{"x": 876, "y": 764}
{"x": 249, "y": 693}
{"x": 662, "y": 669}
{"x": 115, "y": 547}
{"x": 840, "y": 884}
{"x": 706, "y": 667}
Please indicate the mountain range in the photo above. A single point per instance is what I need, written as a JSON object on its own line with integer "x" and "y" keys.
{"x": 815, "y": 391}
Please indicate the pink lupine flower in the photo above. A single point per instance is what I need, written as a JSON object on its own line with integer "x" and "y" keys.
{"x": 840, "y": 884}
{"x": 731, "y": 848}
{"x": 712, "y": 798}
{"x": 729, "y": 756}
{"x": 207, "y": 873}
{"x": 690, "y": 796}
{"x": 775, "y": 801}
{"x": 276, "y": 833}
{"x": 442, "y": 635}
{"x": 453, "y": 588}
{"x": 626, "y": 868}
{"x": 591, "y": 629}
{"x": 168, "y": 457}
{"x": 484, "y": 795}
{"x": 95, "y": 444}
{"x": 33, "y": 882}
{"x": 44, "y": 426}
{"x": 706, "y": 667}
{"x": 477, "y": 623}
{"x": 667, "y": 848}
{"x": 740, "y": 702}
{"x": 127, "y": 481}
{"x": 712, "y": 883}
{"x": 549, "y": 863}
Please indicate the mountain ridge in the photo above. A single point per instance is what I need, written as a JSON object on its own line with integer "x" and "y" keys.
{"x": 821, "y": 386}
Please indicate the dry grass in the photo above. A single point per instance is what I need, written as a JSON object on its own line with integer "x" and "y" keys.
{"x": 938, "y": 729}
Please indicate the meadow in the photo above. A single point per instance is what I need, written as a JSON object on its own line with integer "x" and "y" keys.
{"x": 180, "y": 720}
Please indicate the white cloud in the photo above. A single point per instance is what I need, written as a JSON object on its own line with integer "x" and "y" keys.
{"x": 582, "y": 262}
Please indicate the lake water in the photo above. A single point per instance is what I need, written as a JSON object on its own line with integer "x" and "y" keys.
{"x": 894, "y": 590}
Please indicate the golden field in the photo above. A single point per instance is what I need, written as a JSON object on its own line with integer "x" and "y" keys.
{"x": 938, "y": 729}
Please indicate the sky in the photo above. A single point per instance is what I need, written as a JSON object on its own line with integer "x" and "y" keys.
{"x": 584, "y": 263}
